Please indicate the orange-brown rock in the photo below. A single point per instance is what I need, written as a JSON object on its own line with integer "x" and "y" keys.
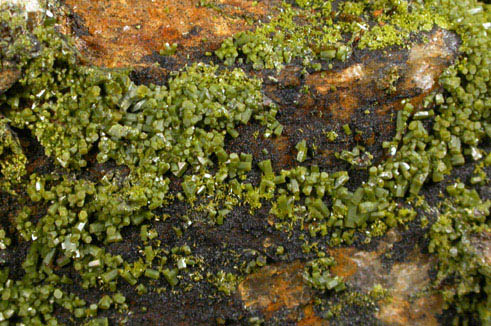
{"x": 340, "y": 92}
{"x": 310, "y": 318}
{"x": 275, "y": 287}
{"x": 409, "y": 301}
{"x": 119, "y": 33}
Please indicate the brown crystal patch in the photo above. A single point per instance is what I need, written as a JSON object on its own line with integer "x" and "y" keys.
{"x": 119, "y": 33}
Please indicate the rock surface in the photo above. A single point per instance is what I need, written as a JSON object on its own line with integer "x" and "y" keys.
{"x": 130, "y": 33}
{"x": 123, "y": 33}
{"x": 279, "y": 288}
{"x": 7, "y": 78}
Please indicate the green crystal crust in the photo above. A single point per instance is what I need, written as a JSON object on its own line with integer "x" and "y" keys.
{"x": 159, "y": 136}
{"x": 314, "y": 32}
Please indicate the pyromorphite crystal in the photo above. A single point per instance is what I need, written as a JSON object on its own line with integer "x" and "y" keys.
{"x": 302, "y": 151}
{"x": 120, "y": 155}
{"x": 171, "y": 276}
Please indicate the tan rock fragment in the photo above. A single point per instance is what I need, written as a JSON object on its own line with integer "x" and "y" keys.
{"x": 7, "y": 78}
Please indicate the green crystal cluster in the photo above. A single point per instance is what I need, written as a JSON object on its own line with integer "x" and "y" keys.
{"x": 176, "y": 133}
{"x": 456, "y": 238}
{"x": 317, "y": 275}
{"x": 314, "y": 32}
{"x": 12, "y": 158}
